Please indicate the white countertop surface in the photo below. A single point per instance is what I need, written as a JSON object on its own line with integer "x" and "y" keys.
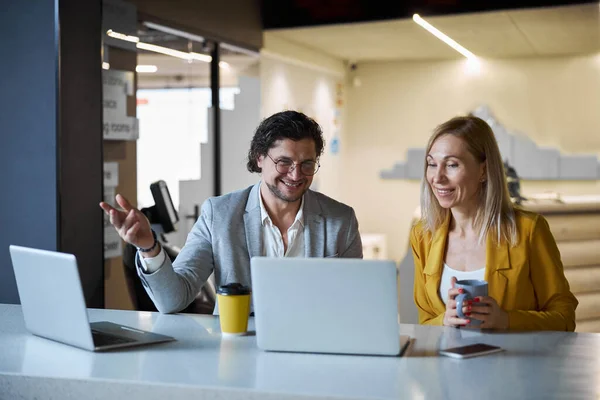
{"x": 203, "y": 365}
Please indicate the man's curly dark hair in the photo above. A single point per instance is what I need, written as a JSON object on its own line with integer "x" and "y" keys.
{"x": 283, "y": 125}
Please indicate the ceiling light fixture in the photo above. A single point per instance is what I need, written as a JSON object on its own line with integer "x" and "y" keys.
{"x": 443, "y": 37}
{"x": 105, "y": 65}
{"x": 122, "y": 36}
{"x": 164, "y": 50}
{"x": 190, "y": 56}
{"x": 147, "y": 69}
{"x": 200, "y": 57}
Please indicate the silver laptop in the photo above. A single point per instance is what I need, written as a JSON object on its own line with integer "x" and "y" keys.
{"x": 326, "y": 305}
{"x": 54, "y": 307}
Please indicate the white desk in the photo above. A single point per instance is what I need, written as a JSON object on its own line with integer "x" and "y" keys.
{"x": 201, "y": 365}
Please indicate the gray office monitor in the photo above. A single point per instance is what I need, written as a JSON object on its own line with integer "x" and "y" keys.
{"x": 54, "y": 307}
{"x": 326, "y": 305}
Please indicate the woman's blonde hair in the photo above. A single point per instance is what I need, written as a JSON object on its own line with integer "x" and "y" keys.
{"x": 495, "y": 212}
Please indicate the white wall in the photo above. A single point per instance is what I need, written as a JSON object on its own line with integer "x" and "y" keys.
{"x": 555, "y": 101}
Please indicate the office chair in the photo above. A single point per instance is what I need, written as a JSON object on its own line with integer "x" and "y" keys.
{"x": 203, "y": 304}
{"x": 163, "y": 217}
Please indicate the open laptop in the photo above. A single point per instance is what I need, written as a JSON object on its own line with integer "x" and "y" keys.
{"x": 326, "y": 305}
{"x": 54, "y": 307}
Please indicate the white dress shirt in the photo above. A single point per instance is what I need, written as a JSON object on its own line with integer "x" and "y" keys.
{"x": 272, "y": 239}
{"x": 447, "y": 275}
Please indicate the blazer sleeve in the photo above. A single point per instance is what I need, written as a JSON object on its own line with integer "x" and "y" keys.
{"x": 556, "y": 303}
{"x": 427, "y": 316}
{"x": 174, "y": 286}
{"x": 353, "y": 246}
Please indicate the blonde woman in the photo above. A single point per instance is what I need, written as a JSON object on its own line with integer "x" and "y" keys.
{"x": 469, "y": 229}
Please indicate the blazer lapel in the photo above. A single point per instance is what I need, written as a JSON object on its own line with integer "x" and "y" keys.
{"x": 252, "y": 223}
{"x": 314, "y": 227}
{"x": 434, "y": 265}
{"x": 497, "y": 261}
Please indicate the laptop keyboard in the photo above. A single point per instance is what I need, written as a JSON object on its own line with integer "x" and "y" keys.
{"x": 107, "y": 339}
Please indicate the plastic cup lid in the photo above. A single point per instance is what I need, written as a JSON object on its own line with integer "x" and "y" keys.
{"x": 232, "y": 289}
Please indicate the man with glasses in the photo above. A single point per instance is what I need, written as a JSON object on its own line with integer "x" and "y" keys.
{"x": 277, "y": 217}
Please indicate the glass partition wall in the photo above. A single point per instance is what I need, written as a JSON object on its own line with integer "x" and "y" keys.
{"x": 160, "y": 85}
{"x": 174, "y": 102}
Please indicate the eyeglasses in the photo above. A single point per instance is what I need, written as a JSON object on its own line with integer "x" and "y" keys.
{"x": 285, "y": 165}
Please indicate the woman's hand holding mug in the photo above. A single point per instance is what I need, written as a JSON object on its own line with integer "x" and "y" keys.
{"x": 451, "y": 317}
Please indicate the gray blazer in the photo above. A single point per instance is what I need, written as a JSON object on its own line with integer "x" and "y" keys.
{"x": 228, "y": 233}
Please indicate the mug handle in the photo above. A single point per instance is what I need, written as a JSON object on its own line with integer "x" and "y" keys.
{"x": 459, "y": 304}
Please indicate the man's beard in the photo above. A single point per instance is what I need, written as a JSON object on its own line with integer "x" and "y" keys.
{"x": 281, "y": 196}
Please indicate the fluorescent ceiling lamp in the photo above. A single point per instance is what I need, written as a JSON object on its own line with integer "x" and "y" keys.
{"x": 200, "y": 57}
{"x": 148, "y": 69}
{"x": 127, "y": 38}
{"x": 197, "y": 38}
{"x": 224, "y": 65}
{"x": 443, "y": 37}
{"x": 164, "y": 50}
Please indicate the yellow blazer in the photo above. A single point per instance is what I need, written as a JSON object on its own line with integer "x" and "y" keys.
{"x": 526, "y": 280}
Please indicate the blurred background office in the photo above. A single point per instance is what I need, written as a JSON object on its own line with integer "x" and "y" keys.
{"x": 149, "y": 90}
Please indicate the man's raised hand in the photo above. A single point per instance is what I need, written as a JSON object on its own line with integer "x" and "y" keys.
{"x": 131, "y": 224}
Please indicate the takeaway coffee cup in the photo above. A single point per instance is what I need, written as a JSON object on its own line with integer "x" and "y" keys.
{"x": 234, "y": 308}
{"x": 472, "y": 288}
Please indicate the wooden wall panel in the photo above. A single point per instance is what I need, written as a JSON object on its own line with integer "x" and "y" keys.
{"x": 583, "y": 279}
{"x": 580, "y": 253}
{"x": 574, "y": 227}
{"x": 590, "y": 326}
{"x": 80, "y": 143}
{"x": 589, "y": 306}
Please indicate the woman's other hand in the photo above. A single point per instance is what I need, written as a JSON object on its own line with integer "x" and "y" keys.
{"x": 487, "y": 310}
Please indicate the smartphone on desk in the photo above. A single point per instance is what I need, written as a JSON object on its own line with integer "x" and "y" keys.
{"x": 471, "y": 350}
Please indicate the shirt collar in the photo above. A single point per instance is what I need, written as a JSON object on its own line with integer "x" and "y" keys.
{"x": 264, "y": 215}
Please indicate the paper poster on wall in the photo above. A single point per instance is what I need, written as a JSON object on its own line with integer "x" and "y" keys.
{"x": 334, "y": 146}
{"x": 116, "y": 86}
{"x": 337, "y": 118}
{"x": 111, "y": 175}
{"x": 113, "y": 246}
